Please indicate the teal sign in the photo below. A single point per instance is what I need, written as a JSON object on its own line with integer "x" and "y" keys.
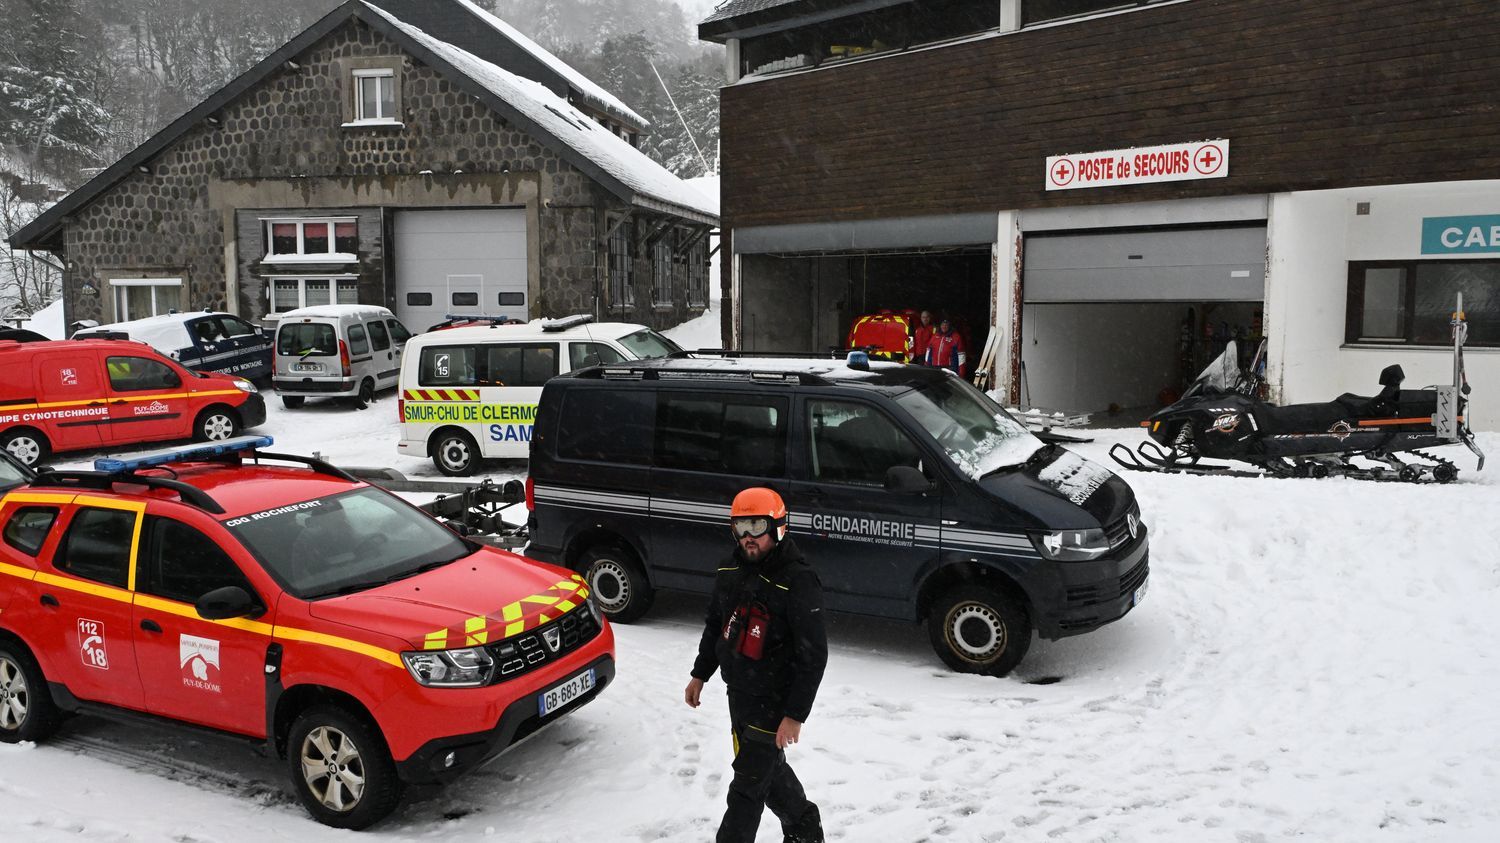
{"x": 1461, "y": 235}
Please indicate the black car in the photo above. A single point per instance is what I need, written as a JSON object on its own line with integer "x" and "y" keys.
{"x": 914, "y": 496}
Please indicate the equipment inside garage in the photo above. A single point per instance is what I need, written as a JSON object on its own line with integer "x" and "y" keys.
{"x": 1123, "y": 320}
{"x": 836, "y": 289}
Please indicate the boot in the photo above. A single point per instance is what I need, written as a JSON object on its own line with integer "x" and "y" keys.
{"x": 807, "y": 829}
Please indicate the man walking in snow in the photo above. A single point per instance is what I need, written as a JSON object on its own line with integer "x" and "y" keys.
{"x": 764, "y": 633}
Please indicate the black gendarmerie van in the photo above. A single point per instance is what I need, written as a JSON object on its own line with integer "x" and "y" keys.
{"x": 913, "y": 495}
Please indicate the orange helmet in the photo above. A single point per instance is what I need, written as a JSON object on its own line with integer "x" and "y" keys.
{"x": 757, "y": 511}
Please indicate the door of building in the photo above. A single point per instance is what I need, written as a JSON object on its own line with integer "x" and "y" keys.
{"x": 461, "y": 262}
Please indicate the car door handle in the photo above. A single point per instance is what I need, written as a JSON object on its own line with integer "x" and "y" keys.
{"x": 49, "y": 601}
{"x": 150, "y": 625}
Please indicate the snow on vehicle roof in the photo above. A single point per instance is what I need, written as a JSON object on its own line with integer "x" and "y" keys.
{"x": 531, "y": 330}
{"x": 823, "y": 367}
{"x": 564, "y": 121}
{"x": 167, "y": 332}
{"x": 585, "y": 85}
{"x": 336, "y": 310}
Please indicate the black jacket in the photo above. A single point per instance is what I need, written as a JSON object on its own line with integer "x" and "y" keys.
{"x": 795, "y": 647}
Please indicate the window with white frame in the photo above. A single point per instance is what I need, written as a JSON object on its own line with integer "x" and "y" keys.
{"x": 375, "y": 95}
{"x": 334, "y": 240}
{"x": 697, "y": 274}
{"x": 137, "y": 298}
{"x": 622, "y": 265}
{"x": 291, "y": 293}
{"x": 661, "y": 271}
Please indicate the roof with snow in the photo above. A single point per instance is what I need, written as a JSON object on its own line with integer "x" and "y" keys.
{"x": 532, "y": 106}
{"x": 749, "y": 18}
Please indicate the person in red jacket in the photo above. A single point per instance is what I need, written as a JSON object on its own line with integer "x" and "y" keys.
{"x": 946, "y": 350}
{"x": 921, "y": 338}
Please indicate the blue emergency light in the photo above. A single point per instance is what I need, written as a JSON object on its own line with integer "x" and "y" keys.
{"x": 114, "y": 465}
{"x": 859, "y": 360}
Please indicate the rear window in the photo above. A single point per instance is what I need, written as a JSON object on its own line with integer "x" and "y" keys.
{"x": 606, "y": 425}
{"x": 306, "y": 338}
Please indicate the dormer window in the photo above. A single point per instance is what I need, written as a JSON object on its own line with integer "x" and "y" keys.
{"x": 375, "y": 96}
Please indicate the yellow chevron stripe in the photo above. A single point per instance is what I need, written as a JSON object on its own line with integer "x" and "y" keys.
{"x": 39, "y": 497}
{"x": 388, "y": 656}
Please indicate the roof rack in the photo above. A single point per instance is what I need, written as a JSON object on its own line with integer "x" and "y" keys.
{"x": 106, "y": 335}
{"x": 735, "y": 354}
{"x": 104, "y": 481}
{"x": 567, "y": 322}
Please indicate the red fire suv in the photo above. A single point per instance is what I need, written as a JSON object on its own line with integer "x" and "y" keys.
{"x": 289, "y": 605}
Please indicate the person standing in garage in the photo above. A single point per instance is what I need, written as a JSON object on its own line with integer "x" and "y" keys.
{"x": 946, "y": 349}
{"x": 921, "y": 337}
{"x": 764, "y": 633}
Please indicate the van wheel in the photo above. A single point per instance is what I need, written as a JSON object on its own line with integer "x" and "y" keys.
{"x": 366, "y": 395}
{"x": 29, "y": 447}
{"x": 293, "y": 402}
{"x": 341, "y": 769}
{"x": 617, "y": 583}
{"x": 455, "y": 454}
{"x": 216, "y": 424}
{"x": 976, "y": 629}
{"x": 27, "y": 712}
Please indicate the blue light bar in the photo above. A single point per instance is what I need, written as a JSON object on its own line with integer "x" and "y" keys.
{"x": 116, "y": 465}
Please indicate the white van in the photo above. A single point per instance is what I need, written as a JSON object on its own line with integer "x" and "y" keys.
{"x": 470, "y": 393}
{"x": 337, "y": 351}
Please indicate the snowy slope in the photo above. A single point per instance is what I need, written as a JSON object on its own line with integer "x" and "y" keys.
{"x": 1315, "y": 659}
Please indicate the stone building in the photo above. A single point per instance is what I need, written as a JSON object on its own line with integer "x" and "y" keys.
{"x": 416, "y": 154}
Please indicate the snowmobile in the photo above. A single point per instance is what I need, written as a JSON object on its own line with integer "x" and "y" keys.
{"x": 1222, "y": 416}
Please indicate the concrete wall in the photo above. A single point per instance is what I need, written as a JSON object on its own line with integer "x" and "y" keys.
{"x": 795, "y": 304}
{"x": 1313, "y": 237}
{"x": 1085, "y": 357}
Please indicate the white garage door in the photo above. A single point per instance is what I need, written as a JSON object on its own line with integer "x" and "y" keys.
{"x": 1195, "y": 265}
{"x": 460, "y": 262}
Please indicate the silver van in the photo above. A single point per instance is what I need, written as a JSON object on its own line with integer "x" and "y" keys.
{"x": 337, "y": 351}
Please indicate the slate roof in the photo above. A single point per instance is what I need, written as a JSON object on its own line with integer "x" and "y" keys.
{"x": 533, "y": 106}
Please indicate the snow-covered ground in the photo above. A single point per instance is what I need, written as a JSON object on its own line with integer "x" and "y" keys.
{"x": 1315, "y": 660}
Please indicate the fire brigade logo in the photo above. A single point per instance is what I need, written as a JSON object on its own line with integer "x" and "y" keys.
{"x": 1341, "y": 430}
{"x": 553, "y": 637}
{"x": 199, "y": 659}
{"x": 155, "y": 408}
{"x": 69, "y": 377}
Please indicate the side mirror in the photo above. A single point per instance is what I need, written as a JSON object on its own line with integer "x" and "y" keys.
{"x": 905, "y": 480}
{"x": 1392, "y": 375}
{"x": 231, "y": 601}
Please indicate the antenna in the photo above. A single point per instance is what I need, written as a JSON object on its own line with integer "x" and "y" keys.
{"x": 707, "y": 170}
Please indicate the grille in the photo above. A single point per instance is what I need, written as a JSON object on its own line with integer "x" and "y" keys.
{"x": 1118, "y": 533}
{"x": 521, "y": 654}
{"x": 1083, "y": 596}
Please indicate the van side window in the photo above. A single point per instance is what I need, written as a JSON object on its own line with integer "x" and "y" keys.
{"x": 379, "y": 337}
{"x": 447, "y": 365}
{"x": 233, "y": 327}
{"x": 606, "y": 425}
{"x": 855, "y": 443}
{"x": 136, "y": 373}
{"x": 26, "y": 530}
{"x": 584, "y": 354}
{"x": 519, "y": 365}
{"x": 358, "y": 342}
{"x": 183, "y": 564}
{"x": 740, "y": 435}
{"x": 398, "y": 331}
{"x": 97, "y": 546}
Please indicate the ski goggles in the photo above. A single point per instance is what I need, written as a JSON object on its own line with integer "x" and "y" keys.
{"x": 752, "y": 527}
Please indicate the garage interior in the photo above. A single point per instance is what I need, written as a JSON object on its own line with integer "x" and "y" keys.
{"x": 1118, "y": 323}
{"x": 838, "y": 288}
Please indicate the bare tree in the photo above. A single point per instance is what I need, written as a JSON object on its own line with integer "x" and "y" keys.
{"x": 27, "y": 283}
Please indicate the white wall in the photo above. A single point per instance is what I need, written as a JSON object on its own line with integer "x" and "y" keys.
{"x": 1085, "y": 357}
{"x": 1312, "y": 238}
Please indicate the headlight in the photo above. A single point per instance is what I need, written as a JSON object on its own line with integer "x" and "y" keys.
{"x": 466, "y": 668}
{"x": 244, "y": 385}
{"x": 1071, "y": 545}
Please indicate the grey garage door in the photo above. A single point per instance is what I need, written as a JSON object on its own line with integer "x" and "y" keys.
{"x": 460, "y": 262}
{"x": 1194, "y": 265}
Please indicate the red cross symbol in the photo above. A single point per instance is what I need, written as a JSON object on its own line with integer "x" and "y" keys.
{"x": 1062, "y": 172}
{"x": 1207, "y": 160}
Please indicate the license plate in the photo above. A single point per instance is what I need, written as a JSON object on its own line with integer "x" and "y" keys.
{"x": 1140, "y": 594}
{"x": 307, "y": 367}
{"x": 558, "y": 696}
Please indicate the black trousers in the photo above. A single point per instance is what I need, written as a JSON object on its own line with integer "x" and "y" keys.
{"x": 762, "y": 778}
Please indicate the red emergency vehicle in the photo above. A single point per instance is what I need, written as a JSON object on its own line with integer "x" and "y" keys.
{"x": 287, "y": 605}
{"x": 887, "y": 335}
{"x": 70, "y": 395}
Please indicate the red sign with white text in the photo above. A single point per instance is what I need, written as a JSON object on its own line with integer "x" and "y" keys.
{"x": 1140, "y": 165}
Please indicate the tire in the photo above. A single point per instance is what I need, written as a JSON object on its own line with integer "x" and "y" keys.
{"x": 977, "y": 629}
{"x": 27, "y": 712}
{"x": 216, "y": 424}
{"x": 293, "y": 402}
{"x": 28, "y": 446}
{"x": 361, "y": 788}
{"x": 366, "y": 395}
{"x": 455, "y": 454}
{"x": 617, "y": 582}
